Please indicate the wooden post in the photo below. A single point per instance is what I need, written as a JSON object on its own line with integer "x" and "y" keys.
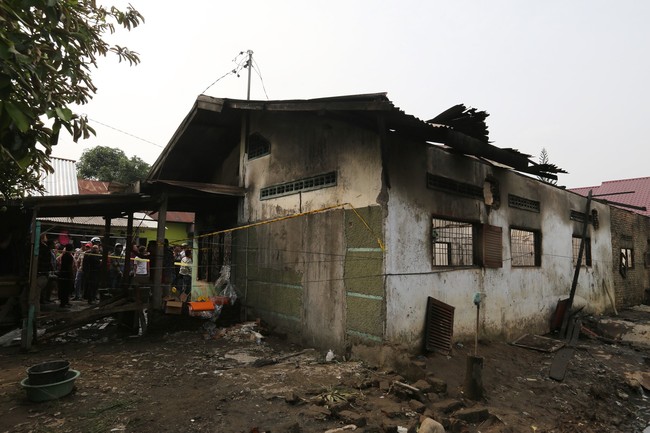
{"x": 160, "y": 254}
{"x": 474, "y": 378}
{"x": 128, "y": 248}
{"x": 478, "y": 309}
{"x": 33, "y": 297}
{"x": 103, "y": 272}
{"x": 574, "y": 284}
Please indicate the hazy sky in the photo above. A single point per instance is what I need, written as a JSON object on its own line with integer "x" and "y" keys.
{"x": 569, "y": 76}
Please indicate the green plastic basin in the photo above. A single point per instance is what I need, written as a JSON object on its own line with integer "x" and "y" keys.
{"x": 50, "y": 391}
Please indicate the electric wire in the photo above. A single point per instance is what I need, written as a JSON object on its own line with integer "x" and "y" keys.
{"x": 257, "y": 70}
{"x": 126, "y": 133}
{"x": 240, "y": 64}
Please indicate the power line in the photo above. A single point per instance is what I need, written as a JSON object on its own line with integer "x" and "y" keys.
{"x": 257, "y": 70}
{"x": 240, "y": 64}
{"x": 126, "y": 133}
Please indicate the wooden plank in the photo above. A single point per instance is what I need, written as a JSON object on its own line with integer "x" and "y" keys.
{"x": 560, "y": 363}
{"x": 89, "y": 316}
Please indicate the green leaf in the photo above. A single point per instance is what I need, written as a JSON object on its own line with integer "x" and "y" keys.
{"x": 19, "y": 118}
{"x": 64, "y": 113}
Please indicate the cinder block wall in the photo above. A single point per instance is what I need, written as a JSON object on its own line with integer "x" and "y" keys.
{"x": 630, "y": 230}
{"x": 364, "y": 275}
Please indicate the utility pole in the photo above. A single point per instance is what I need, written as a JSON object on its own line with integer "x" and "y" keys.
{"x": 250, "y": 66}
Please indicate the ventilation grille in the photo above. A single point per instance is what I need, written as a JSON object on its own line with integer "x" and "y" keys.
{"x": 523, "y": 203}
{"x": 439, "y": 327}
{"x": 455, "y": 187}
{"x": 307, "y": 184}
{"x": 577, "y": 216}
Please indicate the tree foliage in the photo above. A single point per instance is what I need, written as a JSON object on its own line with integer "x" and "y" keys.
{"x": 111, "y": 165}
{"x": 544, "y": 162}
{"x": 47, "y": 51}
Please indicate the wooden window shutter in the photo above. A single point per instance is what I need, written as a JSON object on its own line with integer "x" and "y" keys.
{"x": 492, "y": 246}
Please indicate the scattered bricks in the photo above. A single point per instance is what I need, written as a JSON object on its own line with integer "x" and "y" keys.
{"x": 349, "y": 417}
{"x": 446, "y": 406}
{"x": 458, "y": 426}
{"x": 292, "y": 398}
{"x": 291, "y": 427}
{"x": 429, "y": 413}
{"x": 318, "y": 412}
{"x": 416, "y": 406}
{"x": 389, "y": 426}
{"x": 423, "y": 386}
{"x": 438, "y": 386}
{"x": 407, "y": 392}
{"x": 420, "y": 364}
{"x": 389, "y": 408}
{"x": 338, "y": 406}
{"x": 430, "y": 426}
{"x": 361, "y": 383}
{"x": 472, "y": 415}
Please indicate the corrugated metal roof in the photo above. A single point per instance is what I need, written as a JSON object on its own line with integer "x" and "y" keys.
{"x": 139, "y": 220}
{"x": 635, "y": 192}
{"x": 63, "y": 181}
{"x": 213, "y": 126}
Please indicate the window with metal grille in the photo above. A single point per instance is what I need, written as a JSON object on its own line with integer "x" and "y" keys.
{"x": 453, "y": 243}
{"x": 307, "y": 184}
{"x": 586, "y": 254}
{"x": 522, "y": 203}
{"x": 577, "y": 216}
{"x": 525, "y": 247}
{"x": 258, "y": 146}
{"x": 453, "y": 186}
{"x": 626, "y": 261}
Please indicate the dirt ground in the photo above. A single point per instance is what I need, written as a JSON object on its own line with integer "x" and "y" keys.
{"x": 185, "y": 377}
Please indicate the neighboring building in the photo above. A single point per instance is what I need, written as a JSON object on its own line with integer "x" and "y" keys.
{"x": 630, "y": 221}
{"x": 355, "y": 213}
{"x": 77, "y": 229}
{"x": 179, "y": 227}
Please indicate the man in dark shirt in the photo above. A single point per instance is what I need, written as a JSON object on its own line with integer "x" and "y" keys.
{"x": 66, "y": 276}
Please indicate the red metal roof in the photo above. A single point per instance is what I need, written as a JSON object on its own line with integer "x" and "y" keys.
{"x": 635, "y": 192}
{"x": 176, "y": 217}
{"x": 87, "y": 186}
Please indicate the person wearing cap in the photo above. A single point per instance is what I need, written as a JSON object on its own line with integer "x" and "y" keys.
{"x": 116, "y": 260}
{"x": 92, "y": 264}
{"x": 97, "y": 241}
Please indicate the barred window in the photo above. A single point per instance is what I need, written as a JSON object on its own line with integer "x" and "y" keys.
{"x": 626, "y": 261}
{"x": 453, "y": 243}
{"x": 525, "y": 247}
{"x": 258, "y": 146}
{"x": 586, "y": 254}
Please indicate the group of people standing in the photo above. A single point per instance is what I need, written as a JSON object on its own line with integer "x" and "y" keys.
{"x": 68, "y": 271}
{"x": 75, "y": 274}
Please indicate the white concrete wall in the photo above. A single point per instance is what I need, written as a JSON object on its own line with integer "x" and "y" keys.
{"x": 305, "y": 146}
{"x": 516, "y": 300}
{"x": 310, "y": 246}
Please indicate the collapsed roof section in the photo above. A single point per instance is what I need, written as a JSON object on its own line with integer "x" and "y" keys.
{"x": 212, "y": 129}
